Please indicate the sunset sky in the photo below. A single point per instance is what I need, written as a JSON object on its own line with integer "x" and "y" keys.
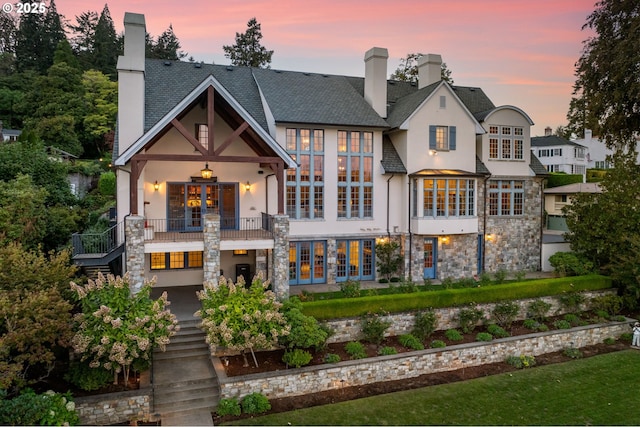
{"x": 520, "y": 52}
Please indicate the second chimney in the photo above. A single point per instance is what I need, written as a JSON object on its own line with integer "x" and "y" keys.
{"x": 375, "y": 79}
{"x": 429, "y": 69}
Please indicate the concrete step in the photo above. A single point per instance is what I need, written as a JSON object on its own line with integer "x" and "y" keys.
{"x": 188, "y": 401}
{"x": 186, "y": 390}
{"x": 93, "y": 270}
{"x": 181, "y": 353}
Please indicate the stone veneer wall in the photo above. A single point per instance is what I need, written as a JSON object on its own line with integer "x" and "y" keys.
{"x": 313, "y": 379}
{"x": 114, "y": 408}
{"x": 280, "y": 282}
{"x": 516, "y": 243}
{"x": 134, "y": 249}
{"x": 402, "y": 323}
{"x": 458, "y": 258}
{"x": 211, "y": 255}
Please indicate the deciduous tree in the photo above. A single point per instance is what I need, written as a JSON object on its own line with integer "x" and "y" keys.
{"x": 407, "y": 70}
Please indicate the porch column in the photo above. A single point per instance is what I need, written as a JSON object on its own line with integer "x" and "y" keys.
{"x": 280, "y": 279}
{"x": 211, "y": 256}
{"x": 332, "y": 261}
{"x": 134, "y": 246}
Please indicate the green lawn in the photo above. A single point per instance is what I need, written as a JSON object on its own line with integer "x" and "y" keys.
{"x": 600, "y": 390}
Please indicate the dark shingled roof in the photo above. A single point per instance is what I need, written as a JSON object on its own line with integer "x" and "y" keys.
{"x": 476, "y": 101}
{"x": 481, "y": 168}
{"x": 537, "y": 167}
{"x": 551, "y": 140}
{"x": 391, "y": 161}
{"x": 405, "y": 106}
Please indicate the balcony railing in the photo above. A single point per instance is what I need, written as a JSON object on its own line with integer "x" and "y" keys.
{"x": 98, "y": 243}
{"x": 176, "y": 230}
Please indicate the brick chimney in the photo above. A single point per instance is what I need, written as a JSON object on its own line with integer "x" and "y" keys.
{"x": 131, "y": 82}
{"x": 548, "y": 131}
{"x": 375, "y": 79}
{"x": 429, "y": 69}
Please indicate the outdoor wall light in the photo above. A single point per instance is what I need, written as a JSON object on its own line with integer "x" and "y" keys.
{"x": 444, "y": 240}
{"x": 247, "y": 186}
{"x": 489, "y": 237}
{"x": 206, "y": 173}
{"x": 156, "y": 186}
{"x": 433, "y": 153}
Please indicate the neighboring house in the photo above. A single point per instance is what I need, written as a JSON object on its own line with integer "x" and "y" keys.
{"x": 234, "y": 170}
{"x": 598, "y": 155}
{"x": 560, "y": 155}
{"x": 556, "y": 198}
{"x": 9, "y": 135}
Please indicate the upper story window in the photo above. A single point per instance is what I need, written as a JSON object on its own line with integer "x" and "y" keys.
{"x": 355, "y": 174}
{"x": 305, "y": 185}
{"x": 506, "y": 198}
{"x": 578, "y": 152}
{"x": 202, "y": 134}
{"x": 175, "y": 260}
{"x": 446, "y": 197}
{"x": 550, "y": 152}
{"x": 506, "y": 142}
{"x": 442, "y": 138}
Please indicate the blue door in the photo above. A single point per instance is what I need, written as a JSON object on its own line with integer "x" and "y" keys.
{"x": 430, "y": 257}
{"x": 480, "y": 253}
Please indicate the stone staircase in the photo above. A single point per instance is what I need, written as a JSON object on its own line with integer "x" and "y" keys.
{"x": 92, "y": 271}
{"x": 183, "y": 378}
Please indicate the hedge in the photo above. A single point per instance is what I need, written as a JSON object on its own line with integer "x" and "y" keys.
{"x": 397, "y": 303}
{"x": 558, "y": 179}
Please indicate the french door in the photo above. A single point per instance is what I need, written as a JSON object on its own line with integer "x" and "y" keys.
{"x": 189, "y": 202}
{"x": 430, "y": 257}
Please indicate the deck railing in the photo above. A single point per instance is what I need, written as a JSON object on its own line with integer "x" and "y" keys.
{"x": 98, "y": 243}
{"x": 243, "y": 228}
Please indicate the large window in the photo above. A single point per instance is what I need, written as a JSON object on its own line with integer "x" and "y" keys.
{"x": 506, "y": 142}
{"x": 305, "y": 185}
{"x": 307, "y": 262}
{"x": 442, "y": 138}
{"x": 355, "y": 174}
{"x": 202, "y": 134}
{"x": 447, "y": 197}
{"x": 506, "y": 198}
{"x": 355, "y": 260}
{"x": 175, "y": 260}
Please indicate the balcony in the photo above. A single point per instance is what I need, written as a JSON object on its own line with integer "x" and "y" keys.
{"x": 183, "y": 230}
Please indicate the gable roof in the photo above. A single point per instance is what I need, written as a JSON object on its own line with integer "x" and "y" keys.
{"x": 552, "y": 140}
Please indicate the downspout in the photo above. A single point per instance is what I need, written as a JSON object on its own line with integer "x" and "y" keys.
{"x": 388, "y": 202}
{"x": 409, "y": 230}
{"x": 484, "y": 224}
{"x": 266, "y": 208}
{"x": 541, "y": 221}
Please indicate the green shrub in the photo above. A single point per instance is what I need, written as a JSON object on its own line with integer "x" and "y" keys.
{"x": 83, "y": 376}
{"x": 573, "y": 319}
{"x": 556, "y": 179}
{"x": 229, "y": 406}
{"x": 520, "y": 275}
{"x": 350, "y": 288}
{"x": 611, "y": 304}
{"x": 411, "y": 342}
{"x": 453, "y": 335}
{"x": 466, "y": 282}
{"x": 425, "y": 323}
{"x": 500, "y": 276}
{"x": 438, "y": 344}
{"x": 297, "y": 358}
{"x": 387, "y": 351}
{"x": 538, "y": 310}
{"x": 626, "y": 337}
{"x": 609, "y": 341}
{"x": 331, "y": 358}
{"x": 570, "y": 264}
{"x": 543, "y": 328}
{"x": 447, "y": 283}
{"x": 374, "y": 327}
{"x": 572, "y": 352}
{"x": 355, "y": 349}
{"x": 619, "y": 318}
{"x": 497, "y": 331}
{"x": 255, "y": 403}
{"x": 468, "y": 318}
{"x": 561, "y": 324}
{"x": 531, "y": 324}
{"x": 107, "y": 184}
{"x": 407, "y": 287}
{"x": 305, "y": 331}
{"x": 602, "y": 314}
{"x": 29, "y": 408}
{"x": 571, "y": 301}
{"x": 485, "y": 279}
{"x": 522, "y": 361}
{"x": 484, "y": 336}
{"x": 505, "y": 313}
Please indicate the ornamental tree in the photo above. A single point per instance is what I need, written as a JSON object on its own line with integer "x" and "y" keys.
{"x": 117, "y": 330}
{"x": 237, "y": 318}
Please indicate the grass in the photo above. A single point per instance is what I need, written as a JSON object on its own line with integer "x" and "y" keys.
{"x": 599, "y": 390}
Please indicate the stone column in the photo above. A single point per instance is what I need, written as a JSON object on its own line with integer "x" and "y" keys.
{"x": 134, "y": 247}
{"x": 280, "y": 279}
{"x": 332, "y": 258}
{"x": 261, "y": 262}
{"x": 211, "y": 256}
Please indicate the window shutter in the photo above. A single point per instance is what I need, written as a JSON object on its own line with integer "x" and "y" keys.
{"x": 452, "y": 137}
{"x": 432, "y": 137}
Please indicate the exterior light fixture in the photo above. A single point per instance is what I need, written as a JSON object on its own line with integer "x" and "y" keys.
{"x": 444, "y": 240}
{"x": 206, "y": 173}
{"x": 247, "y": 186}
{"x": 156, "y": 186}
{"x": 433, "y": 153}
{"x": 490, "y": 237}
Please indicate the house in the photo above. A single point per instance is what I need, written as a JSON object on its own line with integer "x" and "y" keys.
{"x": 560, "y": 155}
{"x": 557, "y": 198}
{"x": 225, "y": 170}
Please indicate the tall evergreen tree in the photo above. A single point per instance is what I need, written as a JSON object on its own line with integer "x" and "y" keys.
{"x": 105, "y": 45}
{"x": 248, "y": 51}
{"x": 8, "y": 30}
{"x": 82, "y": 40}
{"x": 167, "y": 46}
{"x": 37, "y": 38}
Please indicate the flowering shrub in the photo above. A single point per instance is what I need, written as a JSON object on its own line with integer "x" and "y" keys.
{"x": 117, "y": 330}
{"x": 239, "y": 318}
{"x": 52, "y": 409}
{"x": 522, "y": 361}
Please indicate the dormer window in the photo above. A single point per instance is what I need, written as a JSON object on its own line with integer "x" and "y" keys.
{"x": 506, "y": 143}
{"x": 442, "y": 138}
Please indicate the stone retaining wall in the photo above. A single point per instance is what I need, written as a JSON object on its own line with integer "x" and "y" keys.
{"x": 114, "y": 408}
{"x": 312, "y": 379}
{"x": 402, "y": 323}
